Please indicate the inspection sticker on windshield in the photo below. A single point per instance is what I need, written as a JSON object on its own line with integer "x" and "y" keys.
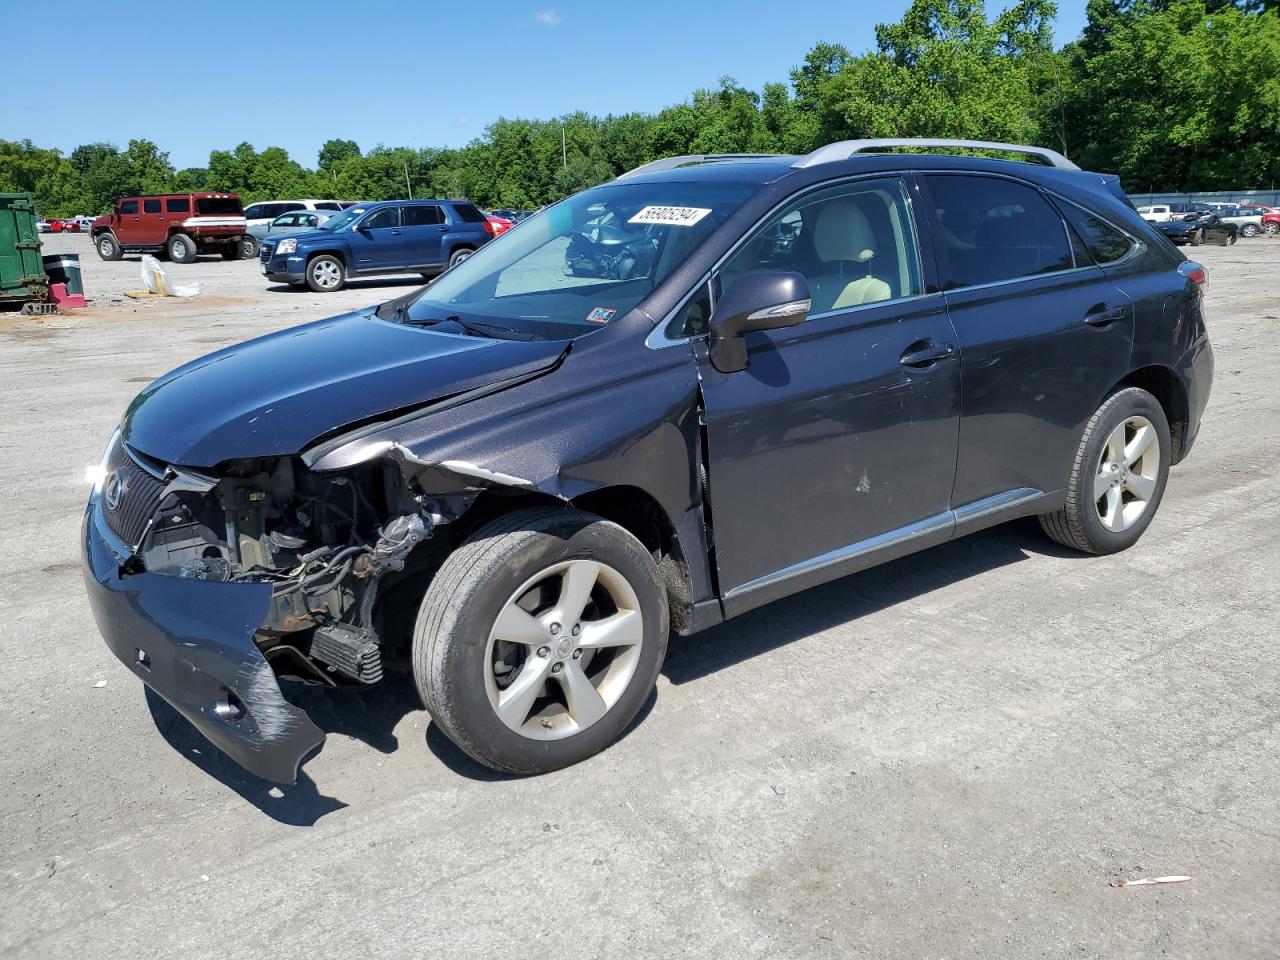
{"x": 671, "y": 216}
{"x": 601, "y": 314}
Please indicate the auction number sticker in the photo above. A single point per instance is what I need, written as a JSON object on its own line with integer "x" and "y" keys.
{"x": 670, "y": 216}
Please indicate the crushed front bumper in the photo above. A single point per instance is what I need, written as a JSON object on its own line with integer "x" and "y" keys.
{"x": 191, "y": 641}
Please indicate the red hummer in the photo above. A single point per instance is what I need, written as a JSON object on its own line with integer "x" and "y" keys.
{"x": 181, "y": 225}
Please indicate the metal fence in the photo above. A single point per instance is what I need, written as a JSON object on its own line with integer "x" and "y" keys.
{"x": 1246, "y": 198}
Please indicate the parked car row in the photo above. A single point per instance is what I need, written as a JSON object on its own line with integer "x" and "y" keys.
{"x": 1249, "y": 221}
{"x": 65, "y": 225}
{"x": 320, "y": 243}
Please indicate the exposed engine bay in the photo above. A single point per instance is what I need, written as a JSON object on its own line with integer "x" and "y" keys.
{"x": 326, "y": 543}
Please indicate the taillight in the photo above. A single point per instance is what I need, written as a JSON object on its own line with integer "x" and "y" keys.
{"x": 1194, "y": 271}
{"x": 489, "y": 229}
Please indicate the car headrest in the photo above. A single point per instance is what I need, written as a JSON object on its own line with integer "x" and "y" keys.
{"x": 843, "y": 233}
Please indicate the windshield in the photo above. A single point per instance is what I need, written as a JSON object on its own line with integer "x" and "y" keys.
{"x": 219, "y": 206}
{"x": 583, "y": 262}
{"x": 343, "y": 219}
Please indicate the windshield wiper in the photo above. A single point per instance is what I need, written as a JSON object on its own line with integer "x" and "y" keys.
{"x": 476, "y": 328}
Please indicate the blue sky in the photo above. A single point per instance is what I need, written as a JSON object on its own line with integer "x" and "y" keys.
{"x": 196, "y": 76}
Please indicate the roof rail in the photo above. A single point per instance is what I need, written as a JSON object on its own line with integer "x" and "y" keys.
{"x": 847, "y": 148}
{"x": 670, "y": 163}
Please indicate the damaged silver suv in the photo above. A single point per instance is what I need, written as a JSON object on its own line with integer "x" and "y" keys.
{"x": 759, "y": 374}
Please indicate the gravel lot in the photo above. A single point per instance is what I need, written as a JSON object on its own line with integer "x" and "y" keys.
{"x": 948, "y": 756}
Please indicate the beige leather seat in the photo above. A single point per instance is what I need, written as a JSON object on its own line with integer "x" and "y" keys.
{"x": 842, "y": 238}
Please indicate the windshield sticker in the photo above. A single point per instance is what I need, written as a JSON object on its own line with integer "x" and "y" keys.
{"x": 670, "y": 216}
{"x": 601, "y": 314}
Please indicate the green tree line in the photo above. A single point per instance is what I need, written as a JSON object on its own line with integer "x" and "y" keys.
{"x": 1169, "y": 94}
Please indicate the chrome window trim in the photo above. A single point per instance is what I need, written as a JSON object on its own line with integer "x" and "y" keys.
{"x": 659, "y": 339}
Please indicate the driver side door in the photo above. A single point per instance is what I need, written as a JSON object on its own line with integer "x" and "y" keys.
{"x": 377, "y": 243}
{"x": 836, "y": 447}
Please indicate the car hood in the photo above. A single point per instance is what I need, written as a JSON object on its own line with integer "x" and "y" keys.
{"x": 307, "y": 234}
{"x": 275, "y": 395}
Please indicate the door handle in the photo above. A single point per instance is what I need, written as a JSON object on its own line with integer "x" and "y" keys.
{"x": 925, "y": 353}
{"x": 395, "y": 233}
{"x": 1101, "y": 315}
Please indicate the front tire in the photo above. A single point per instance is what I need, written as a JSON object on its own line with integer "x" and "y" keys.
{"x": 1271, "y": 229}
{"x": 1197, "y": 238}
{"x": 181, "y": 248}
{"x": 107, "y": 247}
{"x": 1118, "y": 476}
{"x": 540, "y": 638}
{"x": 248, "y": 247}
{"x": 1249, "y": 230}
{"x": 326, "y": 274}
{"x": 233, "y": 252}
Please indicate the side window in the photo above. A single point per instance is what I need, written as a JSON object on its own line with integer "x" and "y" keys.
{"x": 854, "y": 243}
{"x": 254, "y": 212}
{"x": 308, "y": 220}
{"x": 328, "y": 205}
{"x": 468, "y": 212}
{"x": 290, "y": 207}
{"x": 421, "y": 216}
{"x": 379, "y": 219}
{"x": 178, "y": 204}
{"x": 1105, "y": 243}
{"x": 993, "y": 229}
{"x": 129, "y": 207}
{"x": 286, "y": 220}
{"x": 693, "y": 317}
{"x": 151, "y": 206}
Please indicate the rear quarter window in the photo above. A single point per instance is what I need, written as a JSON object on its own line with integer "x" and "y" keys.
{"x": 468, "y": 212}
{"x": 1104, "y": 242}
{"x": 219, "y": 207}
{"x": 151, "y": 206}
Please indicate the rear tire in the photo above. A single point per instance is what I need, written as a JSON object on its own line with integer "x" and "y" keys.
{"x": 233, "y": 252}
{"x": 107, "y": 247}
{"x": 1118, "y": 476}
{"x": 181, "y": 248}
{"x": 459, "y": 255}
{"x": 503, "y": 678}
{"x": 1249, "y": 230}
{"x": 326, "y": 274}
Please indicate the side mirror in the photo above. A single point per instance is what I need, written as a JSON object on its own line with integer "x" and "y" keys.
{"x": 760, "y": 300}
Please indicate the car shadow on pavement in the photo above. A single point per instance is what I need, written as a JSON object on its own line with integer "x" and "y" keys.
{"x": 385, "y": 282}
{"x": 849, "y": 598}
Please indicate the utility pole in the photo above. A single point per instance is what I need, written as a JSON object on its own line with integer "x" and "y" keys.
{"x": 564, "y": 151}
{"x": 407, "y": 185}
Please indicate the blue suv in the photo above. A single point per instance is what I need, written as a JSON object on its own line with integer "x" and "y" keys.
{"x": 395, "y": 236}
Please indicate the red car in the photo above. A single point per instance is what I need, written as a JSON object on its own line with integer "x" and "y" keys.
{"x": 1271, "y": 223}
{"x": 497, "y": 225}
{"x": 70, "y": 226}
{"x": 55, "y": 226}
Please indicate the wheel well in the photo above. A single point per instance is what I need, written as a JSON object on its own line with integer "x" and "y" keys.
{"x": 1163, "y": 384}
{"x": 326, "y": 253}
{"x": 629, "y": 507}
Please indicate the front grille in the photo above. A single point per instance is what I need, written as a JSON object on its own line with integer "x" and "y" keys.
{"x": 130, "y": 496}
{"x": 264, "y": 251}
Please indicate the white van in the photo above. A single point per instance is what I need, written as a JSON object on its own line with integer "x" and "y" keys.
{"x": 1156, "y": 213}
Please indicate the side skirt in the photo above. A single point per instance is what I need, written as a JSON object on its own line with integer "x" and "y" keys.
{"x": 890, "y": 545}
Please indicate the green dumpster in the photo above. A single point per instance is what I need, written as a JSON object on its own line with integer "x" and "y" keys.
{"x": 22, "y": 275}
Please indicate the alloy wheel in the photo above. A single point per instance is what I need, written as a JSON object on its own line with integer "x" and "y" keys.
{"x": 563, "y": 649}
{"x": 1128, "y": 470}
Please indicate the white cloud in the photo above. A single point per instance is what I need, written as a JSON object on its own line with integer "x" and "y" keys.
{"x": 462, "y": 121}
{"x": 548, "y": 18}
